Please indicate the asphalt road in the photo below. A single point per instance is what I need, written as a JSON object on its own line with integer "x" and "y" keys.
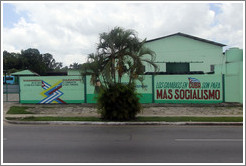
{"x": 122, "y": 144}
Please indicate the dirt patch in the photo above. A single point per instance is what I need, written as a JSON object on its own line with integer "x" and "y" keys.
{"x": 75, "y": 110}
{"x": 148, "y": 110}
{"x": 192, "y": 111}
{"x": 151, "y": 111}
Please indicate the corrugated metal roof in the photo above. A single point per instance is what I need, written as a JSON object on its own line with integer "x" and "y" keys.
{"x": 189, "y": 36}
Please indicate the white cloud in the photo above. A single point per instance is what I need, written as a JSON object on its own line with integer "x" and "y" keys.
{"x": 70, "y": 31}
{"x": 228, "y": 27}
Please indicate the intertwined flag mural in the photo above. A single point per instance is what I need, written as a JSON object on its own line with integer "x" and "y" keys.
{"x": 51, "y": 93}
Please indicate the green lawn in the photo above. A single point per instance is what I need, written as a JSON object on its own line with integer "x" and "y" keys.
{"x": 19, "y": 110}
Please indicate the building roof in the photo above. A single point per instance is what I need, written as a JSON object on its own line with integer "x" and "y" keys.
{"x": 72, "y": 72}
{"x": 24, "y": 73}
{"x": 56, "y": 73}
{"x": 189, "y": 36}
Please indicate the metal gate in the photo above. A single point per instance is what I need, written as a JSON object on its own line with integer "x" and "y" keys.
{"x": 11, "y": 93}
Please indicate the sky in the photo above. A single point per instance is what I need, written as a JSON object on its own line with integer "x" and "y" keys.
{"x": 70, "y": 30}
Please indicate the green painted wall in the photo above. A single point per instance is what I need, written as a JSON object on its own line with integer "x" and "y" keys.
{"x": 234, "y": 75}
{"x": 145, "y": 93}
{"x": 174, "y": 89}
{"x": 234, "y": 55}
{"x": 90, "y": 91}
{"x": 188, "y": 89}
{"x": 52, "y": 89}
{"x": 157, "y": 89}
{"x": 182, "y": 49}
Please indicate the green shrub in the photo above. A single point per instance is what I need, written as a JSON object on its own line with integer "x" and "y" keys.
{"x": 118, "y": 102}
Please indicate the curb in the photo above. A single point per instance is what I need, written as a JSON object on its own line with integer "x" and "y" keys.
{"x": 121, "y": 123}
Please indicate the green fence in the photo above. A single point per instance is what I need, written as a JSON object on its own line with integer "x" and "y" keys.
{"x": 11, "y": 93}
{"x": 156, "y": 89}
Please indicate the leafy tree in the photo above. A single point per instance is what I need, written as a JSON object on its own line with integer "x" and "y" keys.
{"x": 30, "y": 59}
{"x": 33, "y": 60}
{"x": 61, "y": 69}
{"x": 49, "y": 61}
{"x": 10, "y": 60}
{"x": 75, "y": 66}
{"x": 58, "y": 67}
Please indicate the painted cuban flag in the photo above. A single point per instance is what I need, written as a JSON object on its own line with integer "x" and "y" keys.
{"x": 193, "y": 79}
{"x": 194, "y": 83}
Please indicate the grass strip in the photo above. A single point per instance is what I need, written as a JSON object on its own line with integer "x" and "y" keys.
{"x": 18, "y": 110}
{"x": 139, "y": 119}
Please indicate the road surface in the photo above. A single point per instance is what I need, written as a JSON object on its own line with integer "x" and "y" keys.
{"x": 122, "y": 144}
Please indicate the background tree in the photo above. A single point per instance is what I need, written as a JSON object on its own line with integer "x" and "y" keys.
{"x": 75, "y": 66}
{"x": 50, "y": 62}
{"x": 11, "y": 61}
{"x": 30, "y": 59}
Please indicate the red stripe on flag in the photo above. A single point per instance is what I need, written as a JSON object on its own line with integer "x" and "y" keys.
{"x": 55, "y": 90}
{"x": 61, "y": 100}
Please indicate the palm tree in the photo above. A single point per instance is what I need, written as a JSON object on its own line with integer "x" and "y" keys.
{"x": 144, "y": 56}
{"x": 119, "y": 52}
{"x": 114, "y": 46}
{"x": 92, "y": 67}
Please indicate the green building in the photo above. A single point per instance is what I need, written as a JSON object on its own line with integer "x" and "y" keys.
{"x": 180, "y": 53}
{"x": 233, "y": 75}
{"x": 192, "y": 70}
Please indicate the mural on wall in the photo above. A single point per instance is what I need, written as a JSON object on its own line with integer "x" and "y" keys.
{"x": 52, "y": 90}
{"x": 191, "y": 88}
{"x": 156, "y": 89}
{"x": 51, "y": 93}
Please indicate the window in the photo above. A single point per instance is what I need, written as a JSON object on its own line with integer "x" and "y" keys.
{"x": 9, "y": 78}
{"x": 177, "y": 68}
{"x": 211, "y": 68}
